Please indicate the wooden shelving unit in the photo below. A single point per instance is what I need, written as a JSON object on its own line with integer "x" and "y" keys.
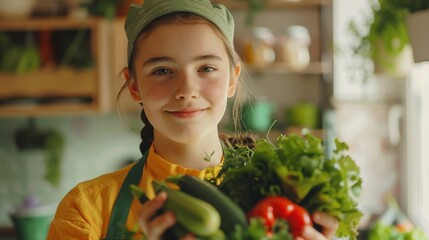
{"x": 58, "y": 90}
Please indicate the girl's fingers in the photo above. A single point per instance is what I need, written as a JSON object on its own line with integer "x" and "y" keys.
{"x": 150, "y": 207}
{"x": 188, "y": 237}
{"x": 328, "y": 223}
{"x": 309, "y": 233}
{"x": 158, "y": 226}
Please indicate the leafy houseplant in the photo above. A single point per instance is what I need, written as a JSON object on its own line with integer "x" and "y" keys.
{"x": 384, "y": 41}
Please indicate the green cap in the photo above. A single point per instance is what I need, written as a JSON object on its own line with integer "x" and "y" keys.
{"x": 140, "y": 16}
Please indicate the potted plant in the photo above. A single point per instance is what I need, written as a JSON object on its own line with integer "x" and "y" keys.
{"x": 417, "y": 15}
{"x": 385, "y": 42}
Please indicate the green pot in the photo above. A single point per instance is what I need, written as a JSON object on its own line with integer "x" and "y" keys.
{"x": 303, "y": 114}
{"x": 32, "y": 227}
{"x": 257, "y": 116}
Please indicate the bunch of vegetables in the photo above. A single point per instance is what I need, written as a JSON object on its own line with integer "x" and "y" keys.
{"x": 295, "y": 168}
{"x": 203, "y": 210}
{"x": 265, "y": 192}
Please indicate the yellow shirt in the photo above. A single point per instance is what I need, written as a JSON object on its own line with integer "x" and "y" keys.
{"x": 84, "y": 212}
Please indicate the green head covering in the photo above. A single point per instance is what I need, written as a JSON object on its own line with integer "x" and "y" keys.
{"x": 140, "y": 16}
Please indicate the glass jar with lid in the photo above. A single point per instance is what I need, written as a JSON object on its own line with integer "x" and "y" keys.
{"x": 292, "y": 47}
{"x": 258, "y": 48}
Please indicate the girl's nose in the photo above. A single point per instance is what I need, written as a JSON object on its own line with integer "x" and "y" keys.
{"x": 188, "y": 88}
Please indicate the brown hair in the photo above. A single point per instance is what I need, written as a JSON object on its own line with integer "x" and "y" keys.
{"x": 242, "y": 91}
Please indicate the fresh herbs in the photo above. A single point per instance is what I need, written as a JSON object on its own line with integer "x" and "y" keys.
{"x": 257, "y": 231}
{"x": 295, "y": 167}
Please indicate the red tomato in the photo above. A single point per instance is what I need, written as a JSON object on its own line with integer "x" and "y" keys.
{"x": 298, "y": 219}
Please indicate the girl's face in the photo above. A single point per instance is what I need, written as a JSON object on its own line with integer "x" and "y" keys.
{"x": 183, "y": 77}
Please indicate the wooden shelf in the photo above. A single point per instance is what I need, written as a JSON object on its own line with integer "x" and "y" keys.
{"x": 48, "y": 110}
{"x": 280, "y": 68}
{"x": 65, "y": 82}
{"x": 48, "y": 23}
{"x": 276, "y": 4}
{"x": 59, "y": 90}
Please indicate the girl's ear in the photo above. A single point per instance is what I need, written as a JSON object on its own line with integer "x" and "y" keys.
{"x": 235, "y": 74}
{"x": 132, "y": 85}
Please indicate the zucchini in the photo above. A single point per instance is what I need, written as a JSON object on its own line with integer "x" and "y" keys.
{"x": 195, "y": 215}
{"x": 230, "y": 213}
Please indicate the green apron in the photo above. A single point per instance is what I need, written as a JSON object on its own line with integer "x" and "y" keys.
{"x": 121, "y": 208}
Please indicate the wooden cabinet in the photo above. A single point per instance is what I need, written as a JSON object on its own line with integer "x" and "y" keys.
{"x": 53, "y": 88}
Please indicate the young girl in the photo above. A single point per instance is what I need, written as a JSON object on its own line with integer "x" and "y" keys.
{"x": 182, "y": 68}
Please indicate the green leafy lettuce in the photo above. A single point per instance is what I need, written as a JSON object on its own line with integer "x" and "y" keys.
{"x": 298, "y": 168}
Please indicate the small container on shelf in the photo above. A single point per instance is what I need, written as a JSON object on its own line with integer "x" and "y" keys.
{"x": 258, "y": 48}
{"x": 292, "y": 47}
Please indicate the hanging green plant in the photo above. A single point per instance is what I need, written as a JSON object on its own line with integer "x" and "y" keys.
{"x": 54, "y": 146}
{"x": 50, "y": 141}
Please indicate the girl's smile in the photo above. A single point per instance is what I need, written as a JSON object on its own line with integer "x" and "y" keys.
{"x": 187, "y": 113}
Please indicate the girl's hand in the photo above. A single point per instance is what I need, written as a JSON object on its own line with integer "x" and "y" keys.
{"x": 328, "y": 223}
{"x": 154, "y": 227}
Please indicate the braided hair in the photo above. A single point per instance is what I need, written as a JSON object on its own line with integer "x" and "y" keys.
{"x": 146, "y": 134}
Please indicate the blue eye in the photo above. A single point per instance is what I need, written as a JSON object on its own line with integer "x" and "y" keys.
{"x": 161, "y": 71}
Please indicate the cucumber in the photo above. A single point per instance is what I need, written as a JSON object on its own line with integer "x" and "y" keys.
{"x": 230, "y": 213}
{"x": 195, "y": 215}
{"x": 178, "y": 230}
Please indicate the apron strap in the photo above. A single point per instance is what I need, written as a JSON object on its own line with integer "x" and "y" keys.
{"x": 121, "y": 208}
